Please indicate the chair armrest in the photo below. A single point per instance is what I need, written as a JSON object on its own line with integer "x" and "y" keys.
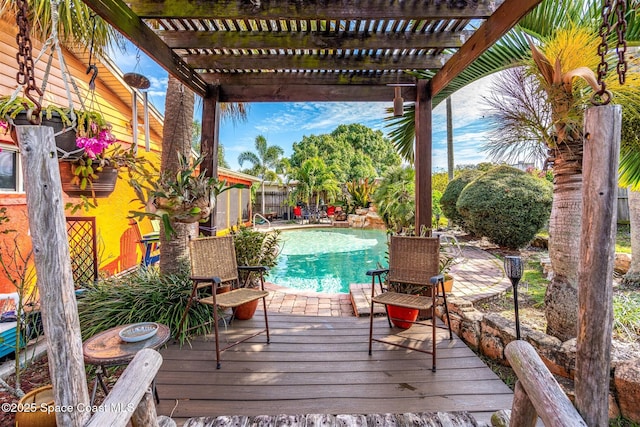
{"x": 252, "y": 268}
{"x": 215, "y": 280}
{"x": 435, "y": 279}
{"x": 377, "y": 272}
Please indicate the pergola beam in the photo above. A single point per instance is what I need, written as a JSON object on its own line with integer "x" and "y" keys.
{"x": 311, "y": 93}
{"x": 122, "y": 18}
{"x": 316, "y": 62}
{"x": 504, "y": 18}
{"x": 308, "y": 78}
{"x": 311, "y": 40}
{"x": 284, "y": 9}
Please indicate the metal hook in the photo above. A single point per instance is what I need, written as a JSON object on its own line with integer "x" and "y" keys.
{"x": 92, "y": 81}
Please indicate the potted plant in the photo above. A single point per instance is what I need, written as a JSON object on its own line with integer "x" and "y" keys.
{"x": 403, "y": 317}
{"x": 183, "y": 197}
{"x": 94, "y": 172}
{"x": 17, "y": 110}
{"x": 446, "y": 262}
{"x": 254, "y": 248}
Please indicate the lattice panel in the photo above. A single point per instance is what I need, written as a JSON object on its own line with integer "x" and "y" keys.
{"x": 81, "y": 233}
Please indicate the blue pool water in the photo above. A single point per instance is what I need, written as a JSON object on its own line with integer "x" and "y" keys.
{"x": 328, "y": 260}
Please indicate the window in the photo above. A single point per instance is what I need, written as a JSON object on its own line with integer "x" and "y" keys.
{"x": 10, "y": 170}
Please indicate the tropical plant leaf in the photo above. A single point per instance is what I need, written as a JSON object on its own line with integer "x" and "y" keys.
{"x": 546, "y": 70}
{"x": 586, "y": 73}
{"x": 510, "y": 50}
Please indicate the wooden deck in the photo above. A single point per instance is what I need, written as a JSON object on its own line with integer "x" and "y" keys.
{"x": 320, "y": 365}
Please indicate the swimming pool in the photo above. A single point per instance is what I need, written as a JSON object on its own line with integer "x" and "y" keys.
{"x": 328, "y": 260}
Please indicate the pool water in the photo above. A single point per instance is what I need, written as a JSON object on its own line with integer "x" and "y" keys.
{"x": 328, "y": 260}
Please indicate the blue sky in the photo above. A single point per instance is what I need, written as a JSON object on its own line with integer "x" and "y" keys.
{"x": 285, "y": 123}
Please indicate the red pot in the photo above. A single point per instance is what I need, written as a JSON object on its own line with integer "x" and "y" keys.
{"x": 402, "y": 317}
{"x": 247, "y": 310}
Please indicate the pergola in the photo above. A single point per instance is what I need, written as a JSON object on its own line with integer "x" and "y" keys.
{"x": 295, "y": 50}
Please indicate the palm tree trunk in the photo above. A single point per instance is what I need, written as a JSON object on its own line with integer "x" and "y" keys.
{"x": 176, "y": 138}
{"x": 561, "y": 299}
{"x": 449, "y": 140}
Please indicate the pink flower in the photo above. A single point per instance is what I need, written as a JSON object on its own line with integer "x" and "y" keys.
{"x": 95, "y": 145}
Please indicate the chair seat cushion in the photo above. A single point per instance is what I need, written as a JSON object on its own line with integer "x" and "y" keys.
{"x": 404, "y": 300}
{"x": 236, "y": 297}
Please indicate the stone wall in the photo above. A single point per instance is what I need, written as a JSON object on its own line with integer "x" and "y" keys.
{"x": 366, "y": 218}
{"x": 489, "y": 334}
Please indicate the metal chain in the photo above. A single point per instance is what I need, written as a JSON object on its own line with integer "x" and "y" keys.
{"x": 621, "y": 47}
{"x": 26, "y": 73}
{"x": 603, "y": 97}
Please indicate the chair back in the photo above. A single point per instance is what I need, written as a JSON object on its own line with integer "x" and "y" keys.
{"x": 213, "y": 257}
{"x": 413, "y": 259}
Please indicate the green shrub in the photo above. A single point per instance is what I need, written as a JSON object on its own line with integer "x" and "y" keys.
{"x": 255, "y": 248}
{"x": 143, "y": 296}
{"x": 452, "y": 192}
{"x": 506, "y": 205}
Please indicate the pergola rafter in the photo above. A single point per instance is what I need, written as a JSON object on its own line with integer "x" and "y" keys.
{"x": 312, "y": 40}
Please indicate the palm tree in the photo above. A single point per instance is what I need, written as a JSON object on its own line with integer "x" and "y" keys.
{"x": 78, "y": 26}
{"x": 543, "y": 22}
{"x": 314, "y": 177}
{"x": 265, "y": 160}
{"x": 176, "y": 139}
{"x": 395, "y": 199}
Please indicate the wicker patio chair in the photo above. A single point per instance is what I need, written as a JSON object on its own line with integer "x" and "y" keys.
{"x": 413, "y": 261}
{"x": 213, "y": 262}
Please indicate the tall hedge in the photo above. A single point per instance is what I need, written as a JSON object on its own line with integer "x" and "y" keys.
{"x": 506, "y": 205}
{"x": 452, "y": 192}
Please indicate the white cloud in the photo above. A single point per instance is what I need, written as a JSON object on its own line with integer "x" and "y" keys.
{"x": 467, "y": 105}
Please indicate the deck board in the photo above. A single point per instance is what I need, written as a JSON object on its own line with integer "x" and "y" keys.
{"x": 316, "y": 365}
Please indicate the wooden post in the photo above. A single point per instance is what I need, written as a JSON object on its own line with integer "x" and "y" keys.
{"x": 422, "y": 157}
{"x": 53, "y": 267}
{"x": 130, "y": 397}
{"x": 145, "y": 414}
{"x": 523, "y": 413}
{"x": 209, "y": 146}
{"x": 602, "y": 127}
{"x": 542, "y": 390}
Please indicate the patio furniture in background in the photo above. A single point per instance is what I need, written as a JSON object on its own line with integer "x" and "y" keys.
{"x": 331, "y": 211}
{"x": 449, "y": 243}
{"x": 297, "y": 213}
{"x": 413, "y": 262}
{"x": 213, "y": 262}
{"x": 151, "y": 245}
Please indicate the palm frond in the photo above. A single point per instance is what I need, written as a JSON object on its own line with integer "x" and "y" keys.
{"x": 510, "y": 50}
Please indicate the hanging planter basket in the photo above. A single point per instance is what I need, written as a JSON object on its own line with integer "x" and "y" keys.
{"x": 102, "y": 186}
{"x": 65, "y": 141}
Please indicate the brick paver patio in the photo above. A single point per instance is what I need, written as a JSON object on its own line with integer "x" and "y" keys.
{"x": 478, "y": 276}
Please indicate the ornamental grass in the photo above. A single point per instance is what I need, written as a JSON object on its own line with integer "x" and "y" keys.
{"x": 142, "y": 296}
